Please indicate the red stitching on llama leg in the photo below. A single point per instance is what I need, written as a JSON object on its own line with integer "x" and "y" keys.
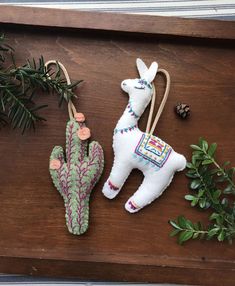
{"x": 112, "y": 187}
{"x": 133, "y": 206}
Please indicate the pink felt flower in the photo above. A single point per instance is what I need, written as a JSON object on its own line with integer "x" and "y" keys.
{"x": 84, "y": 133}
{"x": 55, "y": 164}
{"x": 79, "y": 117}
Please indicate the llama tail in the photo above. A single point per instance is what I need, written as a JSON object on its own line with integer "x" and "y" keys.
{"x": 179, "y": 161}
{"x": 182, "y": 162}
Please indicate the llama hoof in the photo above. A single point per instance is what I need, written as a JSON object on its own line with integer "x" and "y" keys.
{"x": 109, "y": 190}
{"x": 131, "y": 207}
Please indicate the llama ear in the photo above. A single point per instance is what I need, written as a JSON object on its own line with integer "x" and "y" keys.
{"x": 141, "y": 66}
{"x": 151, "y": 72}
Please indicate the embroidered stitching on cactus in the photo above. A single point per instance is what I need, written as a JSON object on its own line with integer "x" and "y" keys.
{"x": 153, "y": 149}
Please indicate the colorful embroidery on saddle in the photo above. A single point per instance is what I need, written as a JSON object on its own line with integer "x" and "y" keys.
{"x": 153, "y": 150}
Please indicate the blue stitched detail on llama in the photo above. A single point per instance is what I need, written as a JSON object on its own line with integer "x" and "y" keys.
{"x": 152, "y": 149}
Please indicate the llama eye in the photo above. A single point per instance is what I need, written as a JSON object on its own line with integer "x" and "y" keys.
{"x": 139, "y": 87}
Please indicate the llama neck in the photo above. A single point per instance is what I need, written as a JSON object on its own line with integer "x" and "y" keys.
{"x": 130, "y": 116}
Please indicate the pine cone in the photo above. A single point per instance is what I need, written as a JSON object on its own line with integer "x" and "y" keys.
{"x": 182, "y": 110}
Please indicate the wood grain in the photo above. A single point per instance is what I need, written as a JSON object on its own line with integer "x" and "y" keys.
{"x": 118, "y": 246}
{"x": 148, "y": 25}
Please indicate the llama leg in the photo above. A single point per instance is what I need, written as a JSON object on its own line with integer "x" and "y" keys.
{"x": 151, "y": 188}
{"x": 119, "y": 173}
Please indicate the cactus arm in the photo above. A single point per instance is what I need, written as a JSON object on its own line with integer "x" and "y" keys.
{"x": 75, "y": 148}
{"x": 57, "y": 175}
{"x": 96, "y": 162}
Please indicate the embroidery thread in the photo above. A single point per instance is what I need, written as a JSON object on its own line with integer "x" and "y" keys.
{"x": 153, "y": 150}
{"x": 124, "y": 130}
{"x": 145, "y": 82}
{"x": 131, "y": 111}
{"x": 112, "y": 186}
{"x": 133, "y": 206}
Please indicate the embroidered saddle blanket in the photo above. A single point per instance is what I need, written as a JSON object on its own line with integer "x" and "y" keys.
{"x": 152, "y": 149}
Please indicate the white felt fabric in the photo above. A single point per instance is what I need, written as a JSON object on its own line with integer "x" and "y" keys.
{"x": 136, "y": 149}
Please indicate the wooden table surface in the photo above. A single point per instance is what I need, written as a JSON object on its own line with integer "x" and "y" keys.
{"x": 118, "y": 246}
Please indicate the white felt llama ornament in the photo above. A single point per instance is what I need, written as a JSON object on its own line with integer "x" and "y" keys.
{"x": 134, "y": 149}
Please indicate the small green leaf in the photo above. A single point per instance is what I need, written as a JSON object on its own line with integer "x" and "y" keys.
{"x": 200, "y": 142}
{"x": 206, "y": 162}
{"x": 214, "y": 216}
{"x": 182, "y": 221}
{"x": 197, "y": 152}
{"x": 174, "y": 232}
{"x": 189, "y": 197}
{"x": 212, "y": 232}
{"x": 175, "y": 225}
{"x": 224, "y": 202}
{"x": 195, "y": 184}
{"x": 197, "y": 226}
{"x": 212, "y": 149}
{"x": 228, "y": 190}
{"x": 195, "y": 147}
{"x": 197, "y": 164}
{"x": 230, "y": 173}
{"x": 192, "y": 175}
{"x": 213, "y": 171}
{"x": 226, "y": 164}
{"x": 194, "y": 202}
{"x": 195, "y": 235}
{"x": 217, "y": 217}
{"x": 192, "y": 171}
{"x": 208, "y": 204}
{"x": 189, "y": 224}
{"x": 203, "y": 169}
{"x": 201, "y": 193}
{"x": 202, "y": 203}
{"x": 190, "y": 165}
{"x": 221, "y": 235}
{"x": 184, "y": 236}
{"x": 204, "y": 145}
{"x": 196, "y": 157}
{"x": 194, "y": 160}
{"x": 216, "y": 194}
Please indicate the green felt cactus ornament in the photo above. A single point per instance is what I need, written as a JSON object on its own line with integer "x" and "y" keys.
{"x": 75, "y": 172}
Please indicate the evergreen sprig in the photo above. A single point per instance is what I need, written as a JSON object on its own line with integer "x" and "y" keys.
{"x": 19, "y": 85}
{"x": 210, "y": 184}
{"x": 4, "y": 48}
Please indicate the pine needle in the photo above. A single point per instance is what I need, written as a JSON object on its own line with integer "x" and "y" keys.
{"x": 19, "y": 85}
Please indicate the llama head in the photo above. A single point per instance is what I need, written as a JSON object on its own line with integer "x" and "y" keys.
{"x": 140, "y": 90}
